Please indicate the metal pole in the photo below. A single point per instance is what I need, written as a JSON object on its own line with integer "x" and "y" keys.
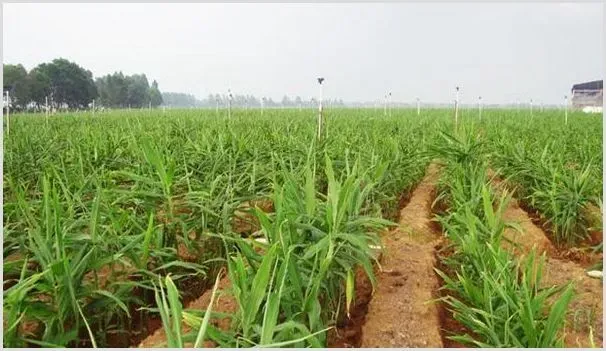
{"x": 385, "y": 107}
{"x": 480, "y": 107}
{"x": 320, "y": 120}
{"x": 8, "y": 116}
{"x": 418, "y": 107}
{"x": 229, "y": 104}
{"x": 457, "y": 108}
{"x": 565, "y": 109}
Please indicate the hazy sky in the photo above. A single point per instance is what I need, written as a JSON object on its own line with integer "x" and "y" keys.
{"x": 504, "y": 52}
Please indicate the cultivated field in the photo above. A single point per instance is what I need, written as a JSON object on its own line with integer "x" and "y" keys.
{"x": 186, "y": 228}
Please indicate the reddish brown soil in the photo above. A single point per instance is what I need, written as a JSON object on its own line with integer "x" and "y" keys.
{"x": 244, "y": 222}
{"x": 539, "y": 234}
{"x": 450, "y": 326}
{"x": 224, "y": 303}
{"x": 586, "y": 308}
{"x": 401, "y": 313}
{"x": 349, "y": 330}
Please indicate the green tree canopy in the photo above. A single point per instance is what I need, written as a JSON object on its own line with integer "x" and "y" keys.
{"x": 154, "y": 95}
{"x": 15, "y": 82}
{"x": 70, "y": 84}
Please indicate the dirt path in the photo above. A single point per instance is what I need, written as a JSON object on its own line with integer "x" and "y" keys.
{"x": 224, "y": 303}
{"x": 585, "y": 312}
{"x": 399, "y": 314}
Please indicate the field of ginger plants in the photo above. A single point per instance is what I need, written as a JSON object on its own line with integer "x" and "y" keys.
{"x": 188, "y": 228}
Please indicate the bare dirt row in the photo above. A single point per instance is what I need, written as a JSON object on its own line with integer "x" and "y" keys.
{"x": 402, "y": 311}
{"x": 585, "y": 313}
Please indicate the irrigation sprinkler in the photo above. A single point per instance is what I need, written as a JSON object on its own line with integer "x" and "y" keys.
{"x": 8, "y": 114}
{"x": 457, "y": 107}
{"x": 480, "y": 107}
{"x": 320, "y": 121}
{"x": 385, "y": 108}
{"x": 46, "y": 108}
{"x": 389, "y": 104}
{"x": 418, "y": 107}
{"x": 565, "y": 109}
{"x": 229, "y": 103}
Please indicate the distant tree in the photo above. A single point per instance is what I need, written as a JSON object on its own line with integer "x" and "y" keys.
{"x": 286, "y": 101}
{"x": 211, "y": 101}
{"x": 39, "y": 85}
{"x": 70, "y": 84}
{"x": 15, "y": 82}
{"x": 154, "y": 95}
{"x": 137, "y": 91}
{"x": 113, "y": 90}
{"x": 180, "y": 100}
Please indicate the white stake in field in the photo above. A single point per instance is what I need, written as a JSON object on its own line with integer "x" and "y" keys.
{"x": 385, "y": 108}
{"x": 229, "y": 103}
{"x": 320, "y": 121}
{"x": 480, "y": 107}
{"x": 8, "y": 115}
{"x": 418, "y": 107}
{"x": 565, "y": 109}
{"x": 457, "y": 107}
{"x": 46, "y": 108}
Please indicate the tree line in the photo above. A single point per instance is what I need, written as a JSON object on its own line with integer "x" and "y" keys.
{"x": 238, "y": 100}
{"x": 64, "y": 84}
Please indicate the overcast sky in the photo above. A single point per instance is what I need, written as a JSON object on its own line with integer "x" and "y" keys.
{"x": 504, "y": 52}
